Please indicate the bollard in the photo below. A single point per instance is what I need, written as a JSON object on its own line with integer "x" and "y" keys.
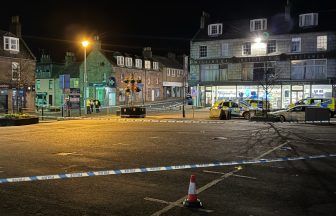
{"x": 193, "y": 110}
{"x": 42, "y": 114}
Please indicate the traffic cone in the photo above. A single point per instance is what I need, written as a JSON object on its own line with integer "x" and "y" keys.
{"x": 192, "y": 200}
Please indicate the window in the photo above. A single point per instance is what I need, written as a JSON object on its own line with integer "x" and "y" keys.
{"x": 156, "y": 65}
{"x": 50, "y": 84}
{"x": 129, "y": 62}
{"x": 11, "y": 43}
{"x": 203, "y": 51}
{"x": 173, "y": 72}
{"x": 271, "y": 46}
{"x": 178, "y": 73}
{"x": 312, "y": 69}
{"x": 15, "y": 71}
{"x": 138, "y": 63}
{"x": 215, "y": 29}
{"x": 225, "y": 49}
{"x": 157, "y": 80}
{"x": 147, "y": 65}
{"x": 120, "y": 60}
{"x": 322, "y": 42}
{"x": 210, "y": 72}
{"x": 310, "y": 19}
{"x": 247, "y": 48}
{"x": 168, "y": 71}
{"x": 38, "y": 84}
{"x": 296, "y": 45}
{"x": 258, "y": 25}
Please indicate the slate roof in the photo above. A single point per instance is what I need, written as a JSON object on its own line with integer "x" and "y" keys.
{"x": 165, "y": 61}
{"x": 25, "y": 52}
{"x": 276, "y": 25}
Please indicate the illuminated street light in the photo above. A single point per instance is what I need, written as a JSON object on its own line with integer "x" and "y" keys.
{"x": 85, "y": 44}
{"x": 257, "y": 40}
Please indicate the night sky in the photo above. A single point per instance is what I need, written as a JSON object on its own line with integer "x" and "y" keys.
{"x": 56, "y": 26}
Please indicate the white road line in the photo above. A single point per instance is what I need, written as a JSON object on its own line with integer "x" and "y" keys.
{"x": 175, "y": 204}
{"x": 242, "y": 176}
{"x": 212, "y": 183}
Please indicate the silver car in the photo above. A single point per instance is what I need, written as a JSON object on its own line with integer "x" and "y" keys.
{"x": 296, "y": 113}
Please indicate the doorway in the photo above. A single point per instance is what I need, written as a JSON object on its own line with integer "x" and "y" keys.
{"x": 50, "y": 100}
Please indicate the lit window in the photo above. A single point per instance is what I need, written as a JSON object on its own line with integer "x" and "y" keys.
{"x": 168, "y": 71}
{"x": 120, "y": 60}
{"x": 38, "y": 84}
{"x": 271, "y": 46}
{"x": 147, "y": 65}
{"x": 50, "y": 84}
{"x": 215, "y": 29}
{"x": 157, "y": 80}
{"x": 310, "y": 19}
{"x": 15, "y": 71}
{"x": 225, "y": 49}
{"x": 129, "y": 62}
{"x": 11, "y": 43}
{"x": 203, "y": 51}
{"x": 258, "y": 24}
{"x": 156, "y": 65}
{"x": 247, "y": 48}
{"x": 322, "y": 42}
{"x": 296, "y": 45}
{"x": 138, "y": 63}
{"x": 173, "y": 72}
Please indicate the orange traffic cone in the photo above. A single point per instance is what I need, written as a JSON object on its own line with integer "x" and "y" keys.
{"x": 192, "y": 200}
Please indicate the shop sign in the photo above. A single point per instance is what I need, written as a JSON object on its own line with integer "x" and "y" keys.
{"x": 297, "y": 88}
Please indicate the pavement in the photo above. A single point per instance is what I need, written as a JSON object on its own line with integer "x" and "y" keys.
{"x": 305, "y": 187}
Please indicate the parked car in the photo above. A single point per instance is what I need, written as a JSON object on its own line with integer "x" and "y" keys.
{"x": 241, "y": 109}
{"x": 257, "y": 103}
{"x": 296, "y": 113}
{"x": 320, "y": 102}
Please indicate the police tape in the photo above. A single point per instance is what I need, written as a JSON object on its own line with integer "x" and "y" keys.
{"x": 157, "y": 169}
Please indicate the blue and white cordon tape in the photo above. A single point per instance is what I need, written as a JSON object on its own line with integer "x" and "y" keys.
{"x": 156, "y": 169}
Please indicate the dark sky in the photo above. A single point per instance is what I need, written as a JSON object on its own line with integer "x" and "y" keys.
{"x": 55, "y": 26}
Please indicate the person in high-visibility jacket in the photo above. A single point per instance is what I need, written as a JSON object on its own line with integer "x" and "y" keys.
{"x": 88, "y": 106}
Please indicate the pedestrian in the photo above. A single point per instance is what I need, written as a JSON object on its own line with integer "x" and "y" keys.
{"x": 88, "y": 110}
{"x": 91, "y": 105}
{"x": 97, "y": 105}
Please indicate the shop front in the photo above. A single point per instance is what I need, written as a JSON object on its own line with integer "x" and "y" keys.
{"x": 279, "y": 96}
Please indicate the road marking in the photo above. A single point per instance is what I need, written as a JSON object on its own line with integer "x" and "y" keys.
{"x": 221, "y": 173}
{"x": 257, "y": 160}
{"x": 175, "y": 204}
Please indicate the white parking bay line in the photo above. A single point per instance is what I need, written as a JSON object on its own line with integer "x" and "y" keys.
{"x": 212, "y": 183}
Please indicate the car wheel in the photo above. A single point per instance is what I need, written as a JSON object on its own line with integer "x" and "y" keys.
{"x": 282, "y": 119}
{"x": 332, "y": 114}
{"x": 247, "y": 115}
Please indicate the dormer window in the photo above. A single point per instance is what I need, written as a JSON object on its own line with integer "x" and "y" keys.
{"x": 11, "y": 44}
{"x": 258, "y": 25}
{"x": 147, "y": 65}
{"x": 215, "y": 29}
{"x": 138, "y": 63}
{"x": 120, "y": 60}
{"x": 310, "y": 19}
{"x": 156, "y": 65}
{"x": 129, "y": 62}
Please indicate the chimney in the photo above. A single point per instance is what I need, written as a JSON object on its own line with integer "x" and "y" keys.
{"x": 69, "y": 58}
{"x": 96, "y": 42}
{"x": 288, "y": 11}
{"x": 171, "y": 55}
{"x": 45, "y": 58}
{"x": 15, "y": 26}
{"x": 204, "y": 18}
{"x": 147, "y": 52}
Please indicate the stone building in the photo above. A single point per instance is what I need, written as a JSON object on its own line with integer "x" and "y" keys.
{"x": 17, "y": 71}
{"x": 235, "y": 59}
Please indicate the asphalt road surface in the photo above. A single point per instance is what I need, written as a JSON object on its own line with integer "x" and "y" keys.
{"x": 283, "y": 188}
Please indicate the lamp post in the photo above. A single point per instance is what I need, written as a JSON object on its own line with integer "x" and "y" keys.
{"x": 85, "y": 44}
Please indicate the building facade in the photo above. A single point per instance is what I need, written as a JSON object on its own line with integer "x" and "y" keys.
{"x": 47, "y": 83}
{"x": 17, "y": 71}
{"x": 292, "y": 55}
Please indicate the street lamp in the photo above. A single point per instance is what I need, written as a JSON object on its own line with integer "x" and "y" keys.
{"x": 85, "y": 43}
